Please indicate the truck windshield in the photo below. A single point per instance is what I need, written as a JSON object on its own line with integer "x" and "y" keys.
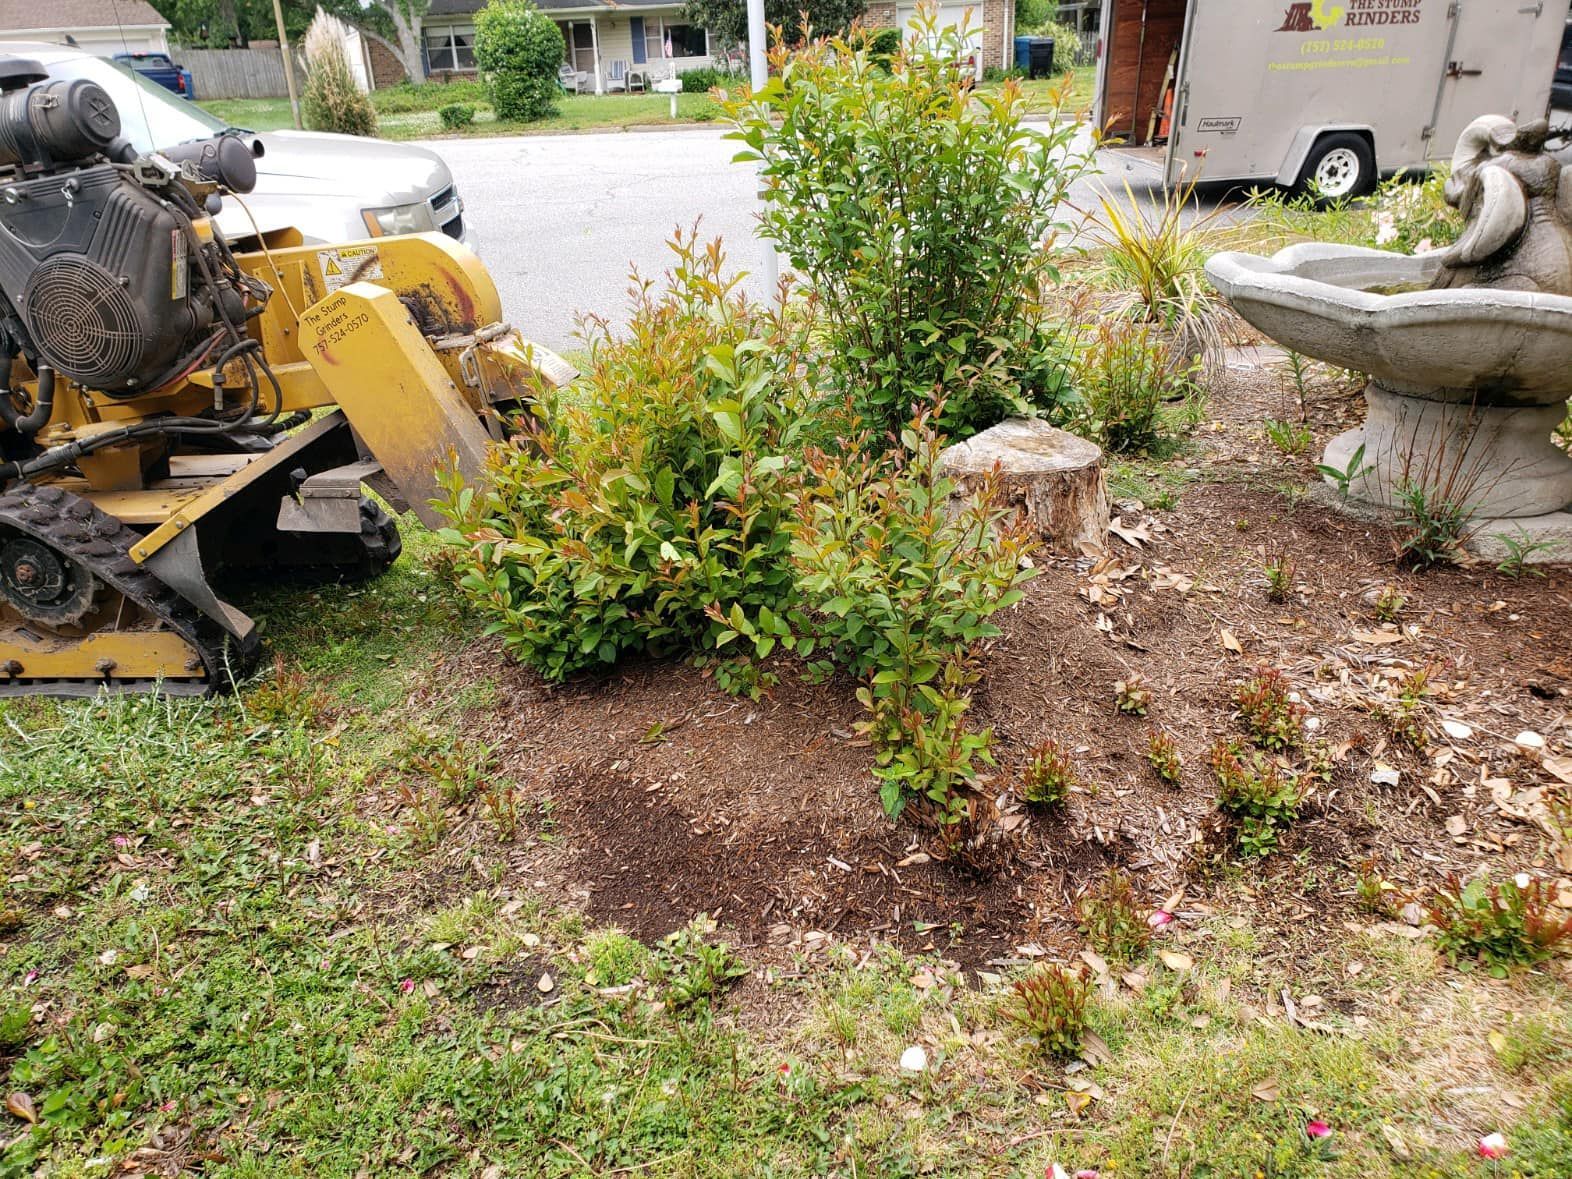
{"x": 150, "y": 116}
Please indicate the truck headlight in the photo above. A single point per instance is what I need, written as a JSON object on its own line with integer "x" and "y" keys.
{"x": 395, "y": 219}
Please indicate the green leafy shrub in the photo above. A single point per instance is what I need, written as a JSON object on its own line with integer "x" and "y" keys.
{"x": 1111, "y": 919}
{"x": 900, "y": 584}
{"x": 456, "y": 115}
{"x": 518, "y": 51}
{"x": 1125, "y": 374}
{"x": 1257, "y": 792}
{"x": 407, "y": 97}
{"x": 1500, "y": 926}
{"x": 1280, "y": 571}
{"x": 646, "y": 510}
{"x": 703, "y": 79}
{"x": 1050, "y": 1003}
{"x": 1273, "y": 718}
{"x": 882, "y": 47}
{"x": 917, "y": 211}
{"x": 1412, "y": 216}
{"x": 331, "y": 101}
{"x": 1048, "y": 775}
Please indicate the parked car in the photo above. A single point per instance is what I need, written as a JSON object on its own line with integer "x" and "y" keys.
{"x": 329, "y": 187}
{"x": 161, "y": 69}
{"x": 1561, "y": 88}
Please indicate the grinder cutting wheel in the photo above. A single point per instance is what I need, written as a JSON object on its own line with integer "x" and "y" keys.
{"x": 157, "y": 388}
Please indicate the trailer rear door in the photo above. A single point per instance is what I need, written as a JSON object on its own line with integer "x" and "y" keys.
{"x": 1255, "y": 72}
{"x": 1500, "y": 60}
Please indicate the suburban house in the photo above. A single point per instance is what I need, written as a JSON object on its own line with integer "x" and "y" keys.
{"x": 125, "y": 26}
{"x": 990, "y": 25}
{"x": 606, "y": 40}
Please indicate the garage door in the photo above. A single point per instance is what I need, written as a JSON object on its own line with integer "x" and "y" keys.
{"x": 959, "y": 16}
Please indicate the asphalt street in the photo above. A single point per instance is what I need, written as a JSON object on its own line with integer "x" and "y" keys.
{"x": 561, "y": 219}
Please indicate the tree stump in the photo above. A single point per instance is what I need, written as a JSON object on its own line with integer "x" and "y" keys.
{"x": 1054, "y": 478}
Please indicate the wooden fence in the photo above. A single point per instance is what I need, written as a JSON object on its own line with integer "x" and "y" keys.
{"x": 237, "y": 73}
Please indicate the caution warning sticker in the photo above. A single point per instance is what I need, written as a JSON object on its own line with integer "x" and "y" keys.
{"x": 348, "y": 264}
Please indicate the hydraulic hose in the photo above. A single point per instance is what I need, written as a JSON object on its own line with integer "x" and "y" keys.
{"x": 43, "y": 406}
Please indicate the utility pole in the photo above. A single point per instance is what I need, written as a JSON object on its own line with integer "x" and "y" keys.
{"x": 289, "y": 62}
{"x": 758, "y": 75}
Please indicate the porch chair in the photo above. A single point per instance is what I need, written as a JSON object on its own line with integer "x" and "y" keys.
{"x": 571, "y": 80}
{"x": 616, "y": 76}
{"x": 639, "y": 79}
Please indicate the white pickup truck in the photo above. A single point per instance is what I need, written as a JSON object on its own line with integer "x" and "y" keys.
{"x": 331, "y": 188}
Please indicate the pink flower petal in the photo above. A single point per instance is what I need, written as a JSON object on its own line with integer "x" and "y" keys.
{"x": 1160, "y": 918}
{"x": 1086, "y": 1173}
{"x": 1493, "y": 1146}
{"x": 30, "y": 978}
{"x": 1318, "y": 1129}
{"x": 407, "y": 985}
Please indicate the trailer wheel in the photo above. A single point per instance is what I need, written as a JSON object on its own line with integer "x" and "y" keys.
{"x": 1338, "y": 168}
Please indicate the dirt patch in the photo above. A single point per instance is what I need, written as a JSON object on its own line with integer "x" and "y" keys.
{"x": 665, "y": 797}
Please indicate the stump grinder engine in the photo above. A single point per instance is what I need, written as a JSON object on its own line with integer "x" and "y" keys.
{"x": 171, "y": 407}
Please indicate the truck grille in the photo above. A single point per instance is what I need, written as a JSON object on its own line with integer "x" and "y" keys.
{"x": 447, "y": 210}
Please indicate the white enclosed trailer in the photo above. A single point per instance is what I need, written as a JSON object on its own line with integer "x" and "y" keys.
{"x": 1330, "y": 92}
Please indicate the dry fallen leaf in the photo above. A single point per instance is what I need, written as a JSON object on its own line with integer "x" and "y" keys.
{"x": 1377, "y": 638}
{"x": 1176, "y": 960}
{"x": 1267, "y": 1090}
{"x": 1077, "y": 1102}
{"x": 21, "y": 1105}
{"x": 1230, "y": 643}
{"x": 546, "y": 984}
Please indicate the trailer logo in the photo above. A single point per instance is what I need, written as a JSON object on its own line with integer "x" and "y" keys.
{"x": 1312, "y": 16}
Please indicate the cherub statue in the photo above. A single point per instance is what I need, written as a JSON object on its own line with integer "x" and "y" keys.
{"x": 1516, "y": 200}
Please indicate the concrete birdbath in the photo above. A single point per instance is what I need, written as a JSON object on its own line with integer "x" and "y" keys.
{"x": 1468, "y": 349}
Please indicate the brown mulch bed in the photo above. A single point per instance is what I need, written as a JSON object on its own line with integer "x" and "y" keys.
{"x": 662, "y": 797}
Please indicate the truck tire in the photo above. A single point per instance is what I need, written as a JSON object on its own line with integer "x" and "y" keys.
{"x": 1339, "y": 167}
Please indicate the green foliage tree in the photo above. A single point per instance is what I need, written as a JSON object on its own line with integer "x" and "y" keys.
{"x": 918, "y": 210}
{"x": 518, "y": 49}
{"x": 331, "y": 101}
{"x": 1031, "y": 15}
{"x": 727, "y": 20}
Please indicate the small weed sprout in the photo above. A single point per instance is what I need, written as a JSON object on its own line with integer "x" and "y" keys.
{"x": 1499, "y": 926}
{"x": 1373, "y": 891}
{"x": 1112, "y": 920}
{"x": 1432, "y": 527}
{"x": 427, "y": 818}
{"x": 1257, "y": 792}
{"x": 286, "y": 697}
{"x": 1299, "y": 377}
{"x": 1389, "y": 604}
{"x": 1342, "y": 477}
{"x": 1133, "y": 695}
{"x": 456, "y": 769}
{"x": 691, "y": 969}
{"x": 1162, "y": 754}
{"x": 1521, "y": 549}
{"x": 1050, "y": 1003}
{"x": 1048, "y": 775}
{"x": 1281, "y": 570}
{"x": 1271, "y": 715}
{"x": 1405, "y": 715}
{"x": 500, "y": 802}
{"x": 1290, "y": 439}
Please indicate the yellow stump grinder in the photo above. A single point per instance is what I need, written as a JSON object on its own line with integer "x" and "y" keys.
{"x": 172, "y": 408}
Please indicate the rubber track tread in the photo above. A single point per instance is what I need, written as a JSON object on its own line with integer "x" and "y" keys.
{"x": 76, "y": 528}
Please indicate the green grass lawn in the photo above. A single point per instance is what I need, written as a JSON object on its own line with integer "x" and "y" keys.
{"x": 575, "y": 112}
{"x": 263, "y": 936}
{"x": 408, "y": 112}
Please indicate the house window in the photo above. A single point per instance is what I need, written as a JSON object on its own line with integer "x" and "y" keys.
{"x": 664, "y": 40}
{"x": 450, "y": 47}
{"x": 579, "y": 41}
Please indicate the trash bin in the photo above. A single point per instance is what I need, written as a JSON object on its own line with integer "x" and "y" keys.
{"x": 1041, "y": 57}
{"x": 1023, "y": 54}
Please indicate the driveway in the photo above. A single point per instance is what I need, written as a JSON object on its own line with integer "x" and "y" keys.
{"x": 562, "y": 218}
